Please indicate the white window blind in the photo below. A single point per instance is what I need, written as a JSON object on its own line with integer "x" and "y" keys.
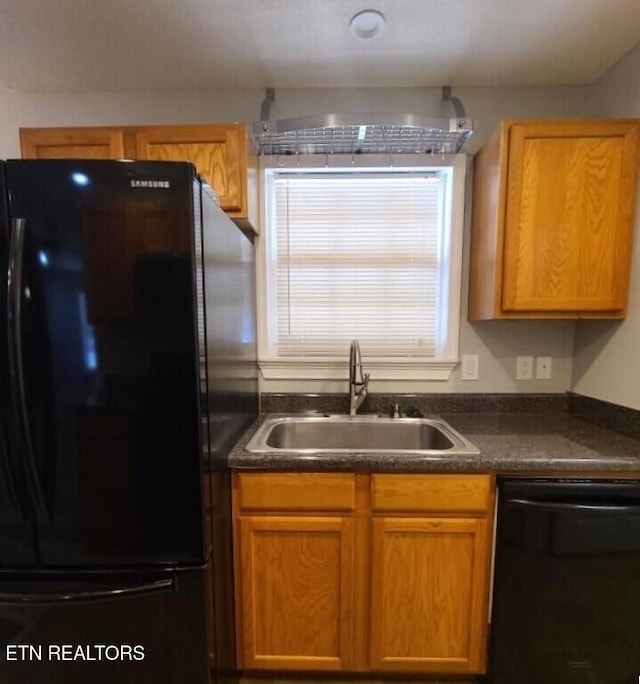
{"x": 358, "y": 256}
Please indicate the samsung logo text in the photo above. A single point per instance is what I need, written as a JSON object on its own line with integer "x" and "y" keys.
{"x": 150, "y": 184}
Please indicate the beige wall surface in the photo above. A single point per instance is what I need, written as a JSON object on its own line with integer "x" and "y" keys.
{"x": 607, "y": 354}
{"x": 496, "y": 342}
{"x": 487, "y": 106}
{"x": 127, "y": 108}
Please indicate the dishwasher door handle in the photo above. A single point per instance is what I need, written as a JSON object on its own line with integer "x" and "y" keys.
{"x": 87, "y": 596}
{"x": 555, "y": 506}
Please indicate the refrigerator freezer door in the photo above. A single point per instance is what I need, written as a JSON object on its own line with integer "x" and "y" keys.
{"x": 110, "y": 374}
{"x": 143, "y": 630}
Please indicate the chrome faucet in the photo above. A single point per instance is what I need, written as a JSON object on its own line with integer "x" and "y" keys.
{"x": 357, "y": 387}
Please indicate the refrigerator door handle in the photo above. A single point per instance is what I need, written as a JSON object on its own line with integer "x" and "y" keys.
{"x": 127, "y": 591}
{"x": 8, "y": 489}
{"x": 16, "y": 367}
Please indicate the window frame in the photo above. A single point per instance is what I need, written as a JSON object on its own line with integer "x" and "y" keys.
{"x": 440, "y": 368}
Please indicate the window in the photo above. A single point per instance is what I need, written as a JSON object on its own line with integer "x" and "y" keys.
{"x": 362, "y": 252}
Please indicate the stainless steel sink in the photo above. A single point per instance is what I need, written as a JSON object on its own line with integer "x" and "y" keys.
{"x": 363, "y": 433}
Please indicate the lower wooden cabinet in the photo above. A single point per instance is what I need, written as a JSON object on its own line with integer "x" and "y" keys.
{"x": 297, "y": 592}
{"x": 428, "y": 594}
{"x": 386, "y": 573}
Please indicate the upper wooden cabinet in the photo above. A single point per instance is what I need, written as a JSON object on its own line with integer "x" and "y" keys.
{"x": 553, "y": 209}
{"x": 72, "y": 143}
{"x": 221, "y": 154}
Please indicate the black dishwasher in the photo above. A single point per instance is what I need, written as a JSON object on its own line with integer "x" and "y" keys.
{"x": 566, "y": 597}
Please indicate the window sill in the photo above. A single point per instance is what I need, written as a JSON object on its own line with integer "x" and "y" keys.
{"x": 338, "y": 369}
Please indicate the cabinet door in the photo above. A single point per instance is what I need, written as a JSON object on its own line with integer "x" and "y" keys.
{"x": 72, "y": 143}
{"x": 297, "y": 592}
{"x": 218, "y": 152}
{"x": 429, "y": 594}
{"x": 568, "y": 221}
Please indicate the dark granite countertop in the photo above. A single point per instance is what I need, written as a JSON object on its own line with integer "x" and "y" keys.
{"x": 535, "y": 443}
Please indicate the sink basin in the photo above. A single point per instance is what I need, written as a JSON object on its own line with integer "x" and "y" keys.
{"x": 342, "y": 433}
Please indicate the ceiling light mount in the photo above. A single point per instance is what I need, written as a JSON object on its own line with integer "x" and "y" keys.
{"x": 367, "y": 24}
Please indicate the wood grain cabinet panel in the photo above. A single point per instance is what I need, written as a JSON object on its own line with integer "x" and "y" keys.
{"x": 441, "y": 493}
{"x": 553, "y": 220}
{"x": 297, "y": 592}
{"x": 72, "y": 143}
{"x": 380, "y": 585}
{"x": 219, "y": 152}
{"x": 291, "y": 491}
{"x": 429, "y": 580}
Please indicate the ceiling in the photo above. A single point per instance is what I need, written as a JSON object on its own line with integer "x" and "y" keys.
{"x": 132, "y": 45}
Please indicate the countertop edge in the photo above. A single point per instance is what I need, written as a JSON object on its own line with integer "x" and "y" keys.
{"x": 513, "y": 444}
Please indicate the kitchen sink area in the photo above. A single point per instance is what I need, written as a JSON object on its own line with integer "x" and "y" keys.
{"x": 364, "y": 499}
{"x": 309, "y": 434}
{"x": 482, "y": 433}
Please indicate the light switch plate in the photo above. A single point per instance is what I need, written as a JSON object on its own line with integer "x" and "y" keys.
{"x": 470, "y": 366}
{"x": 524, "y": 367}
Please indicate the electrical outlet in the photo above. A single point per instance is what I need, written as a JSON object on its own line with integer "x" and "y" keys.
{"x": 524, "y": 367}
{"x": 543, "y": 368}
{"x": 470, "y": 366}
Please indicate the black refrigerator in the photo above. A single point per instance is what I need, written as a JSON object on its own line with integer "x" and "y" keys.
{"x": 107, "y": 475}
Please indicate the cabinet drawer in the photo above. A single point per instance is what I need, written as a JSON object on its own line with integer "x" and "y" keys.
{"x": 441, "y": 493}
{"x": 295, "y": 491}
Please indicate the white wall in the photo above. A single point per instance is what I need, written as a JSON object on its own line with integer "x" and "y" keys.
{"x": 496, "y": 342}
{"x": 607, "y": 363}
